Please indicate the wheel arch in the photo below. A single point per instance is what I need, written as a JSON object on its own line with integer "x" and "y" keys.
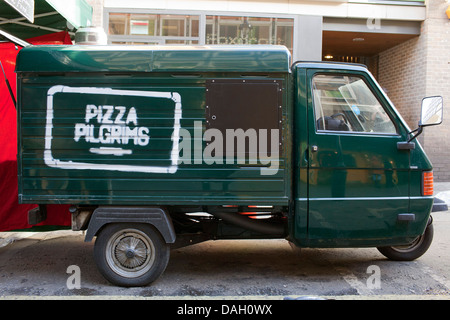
{"x": 155, "y": 216}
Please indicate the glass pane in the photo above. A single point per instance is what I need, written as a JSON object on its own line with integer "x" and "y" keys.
{"x": 260, "y": 35}
{"x": 135, "y": 43}
{"x": 249, "y": 30}
{"x": 185, "y": 42}
{"x": 117, "y": 23}
{"x": 284, "y": 36}
{"x": 139, "y": 26}
{"x": 194, "y": 26}
{"x": 210, "y": 34}
{"x": 154, "y": 25}
{"x": 173, "y": 26}
{"x": 228, "y": 34}
{"x": 143, "y": 24}
{"x": 345, "y": 103}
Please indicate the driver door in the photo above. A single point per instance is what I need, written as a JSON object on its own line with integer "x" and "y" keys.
{"x": 358, "y": 181}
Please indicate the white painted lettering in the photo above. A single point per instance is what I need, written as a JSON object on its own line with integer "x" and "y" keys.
{"x": 91, "y": 112}
{"x": 120, "y": 114}
{"x": 106, "y": 118}
{"x": 132, "y": 117}
{"x": 80, "y": 131}
{"x": 113, "y": 128}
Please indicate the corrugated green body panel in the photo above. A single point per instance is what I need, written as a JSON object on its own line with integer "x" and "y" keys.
{"x": 107, "y": 138}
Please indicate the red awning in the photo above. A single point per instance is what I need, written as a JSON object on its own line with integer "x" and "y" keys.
{"x": 12, "y": 215}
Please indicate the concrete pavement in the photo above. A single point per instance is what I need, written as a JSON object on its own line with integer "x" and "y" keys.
{"x": 442, "y": 191}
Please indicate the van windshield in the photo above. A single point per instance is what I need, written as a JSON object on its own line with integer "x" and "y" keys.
{"x": 345, "y": 103}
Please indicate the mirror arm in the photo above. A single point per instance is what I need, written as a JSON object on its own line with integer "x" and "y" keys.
{"x": 419, "y": 131}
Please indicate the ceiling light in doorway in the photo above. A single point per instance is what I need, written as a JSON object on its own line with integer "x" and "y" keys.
{"x": 358, "y": 39}
{"x": 328, "y": 56}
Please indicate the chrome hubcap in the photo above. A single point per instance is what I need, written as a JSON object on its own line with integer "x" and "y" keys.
{"x": 130, "y": 253}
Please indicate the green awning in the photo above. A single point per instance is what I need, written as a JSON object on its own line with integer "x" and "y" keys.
{"x": 49, "y": 16}
{"x": 77, "y": 12}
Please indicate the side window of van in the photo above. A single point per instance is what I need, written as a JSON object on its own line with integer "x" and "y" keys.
{"x": 345, "y": 103}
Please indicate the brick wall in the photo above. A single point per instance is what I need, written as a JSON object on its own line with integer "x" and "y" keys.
{"x": 421, "y": 67}
{"x": 97, "y": 15}
{"x": 401, "y": 73}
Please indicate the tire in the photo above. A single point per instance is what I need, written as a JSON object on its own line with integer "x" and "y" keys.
{"x": 412, "y": 251}
{"x": 131, "y": 255}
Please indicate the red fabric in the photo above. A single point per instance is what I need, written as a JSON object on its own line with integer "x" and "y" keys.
{"x": 13, "y": 215}
{"x": 62, "y": 37}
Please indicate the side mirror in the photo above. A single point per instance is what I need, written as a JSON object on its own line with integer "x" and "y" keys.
{"x": 431, "y": 114}
{"x": 432, "y": 111}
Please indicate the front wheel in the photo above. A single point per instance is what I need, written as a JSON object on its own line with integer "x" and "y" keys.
{"x": 411, "y": 251}
{"x": 131, "y": 255}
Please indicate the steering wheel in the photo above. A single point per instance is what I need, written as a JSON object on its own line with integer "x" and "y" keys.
{"x": 340, "y": 114}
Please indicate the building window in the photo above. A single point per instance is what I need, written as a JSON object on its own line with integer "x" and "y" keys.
{"x": 129, "y": 28}
{"x": 151, "y": 28}
{"x": 249, "y": 30}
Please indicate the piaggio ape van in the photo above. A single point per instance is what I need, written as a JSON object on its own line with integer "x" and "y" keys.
{"x": 167, "y": 146}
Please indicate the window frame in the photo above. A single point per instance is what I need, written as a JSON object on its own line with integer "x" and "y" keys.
{"x": 202, "y": 25}
{"x": 375, "y": 93}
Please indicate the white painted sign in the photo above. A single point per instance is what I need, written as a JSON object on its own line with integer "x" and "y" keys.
{"x": 111, "y": 129}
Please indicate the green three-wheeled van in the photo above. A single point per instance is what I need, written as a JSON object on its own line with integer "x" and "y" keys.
{"x": 160, "y": 147}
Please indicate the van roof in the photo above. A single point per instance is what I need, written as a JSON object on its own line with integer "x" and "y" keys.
{"x": 330, "y": 65}
{"x": 248, "y": 58}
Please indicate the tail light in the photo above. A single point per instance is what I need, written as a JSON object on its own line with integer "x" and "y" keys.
{"x": 427, "y": 183}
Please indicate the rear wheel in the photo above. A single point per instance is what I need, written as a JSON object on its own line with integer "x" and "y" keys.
{"x": 411, "y": 251}
{"x": 131, "y": 255}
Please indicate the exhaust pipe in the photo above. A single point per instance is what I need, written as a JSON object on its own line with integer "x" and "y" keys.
{"x": 251, "y": 224}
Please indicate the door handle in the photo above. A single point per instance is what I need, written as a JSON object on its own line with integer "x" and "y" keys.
{"x": 406, "y": 145}
{"x": 314, "y": 148}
